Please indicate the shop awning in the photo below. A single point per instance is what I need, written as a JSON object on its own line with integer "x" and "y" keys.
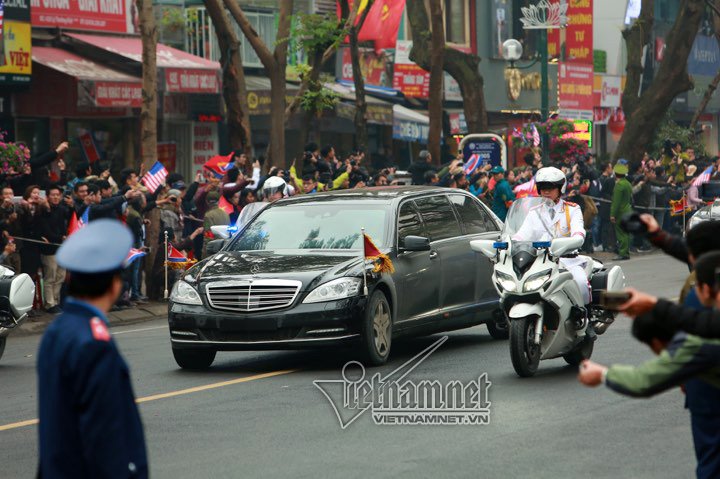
{"x": 379, "y": 112}
{"x": 98, "y": 85}
{"x": 410, "y": 125}
{"x": 181, "y": 72}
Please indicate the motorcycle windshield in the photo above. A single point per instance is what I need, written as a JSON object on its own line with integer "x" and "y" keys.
{"x": 528, "y": 221}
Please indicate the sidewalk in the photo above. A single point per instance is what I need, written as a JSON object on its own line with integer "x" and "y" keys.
{"x": 139, "y": 314}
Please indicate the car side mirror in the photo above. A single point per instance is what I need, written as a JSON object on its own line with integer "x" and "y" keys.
{"x": 486, "y": 247}
{"x": 214, "y": 246}
{"x": 416, "y": 243}
{"x": 561, "y": 246}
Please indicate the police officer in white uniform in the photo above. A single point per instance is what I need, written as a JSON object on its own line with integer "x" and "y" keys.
{"x": 559, "y": 219}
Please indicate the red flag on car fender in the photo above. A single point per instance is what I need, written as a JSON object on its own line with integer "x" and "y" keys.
{"x": 383, "y": 263}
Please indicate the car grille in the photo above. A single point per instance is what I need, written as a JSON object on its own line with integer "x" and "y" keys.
{"x": 252, "y": 295}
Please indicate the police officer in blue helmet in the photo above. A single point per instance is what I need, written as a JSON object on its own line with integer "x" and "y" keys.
{"x": 89, "y": 423}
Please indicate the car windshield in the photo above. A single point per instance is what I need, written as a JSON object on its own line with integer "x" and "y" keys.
{"x": 313, "y": 226}
{"x": 528, "y": 221}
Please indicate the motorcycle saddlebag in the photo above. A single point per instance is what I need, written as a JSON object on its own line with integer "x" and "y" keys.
{"x": 608, "y": 279}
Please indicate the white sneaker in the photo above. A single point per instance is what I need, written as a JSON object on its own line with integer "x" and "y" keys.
{"x": 598, "y": 248}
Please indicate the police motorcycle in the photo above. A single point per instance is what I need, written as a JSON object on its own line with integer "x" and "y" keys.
{"x": 17, "y": 292}
{"x": 543, "y": 304}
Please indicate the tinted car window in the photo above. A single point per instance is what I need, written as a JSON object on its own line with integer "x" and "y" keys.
{"x": 473, "y": 218}
{"x": 409, "y": 223}
{"x": 438, "y": 216}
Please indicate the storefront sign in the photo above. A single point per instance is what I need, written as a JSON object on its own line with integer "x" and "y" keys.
{"x": 375, "y": 114}
{"x": 180, "y": 80}
{"x": 408, "y": 77}
{"x": 167, "y": 155}
{"x": 576, "y": 90}
{"x": 583, "y": 132}
{"x": 611, "y": 91}
{"x": 372, "y": 66}
{"x": 16, "y": 66}
{"x": 458, "y": 124}
{"x": 704, "y": 58}
{"x": 406, "y": 130}
{"x": 112, "y": 94}
{"x": 117, "y": 16}
{"x": 205, "y": 142}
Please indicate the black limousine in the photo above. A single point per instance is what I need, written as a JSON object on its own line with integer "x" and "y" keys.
{"x": 292, "y": 278}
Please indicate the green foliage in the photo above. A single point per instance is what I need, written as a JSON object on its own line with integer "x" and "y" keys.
{"x": 172, "y": 18}
{"x": 317, "y": 98}
{"x": 669, "y": 130}
{"x": 316, "y": 33}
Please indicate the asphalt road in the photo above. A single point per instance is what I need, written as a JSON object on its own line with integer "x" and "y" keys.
{"x": 258, "y": 414}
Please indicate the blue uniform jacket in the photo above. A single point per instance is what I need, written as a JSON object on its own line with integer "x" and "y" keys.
{"x": 89, "y": 423}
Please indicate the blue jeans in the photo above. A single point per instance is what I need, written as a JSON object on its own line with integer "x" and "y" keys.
{"x": 135, "y": 278}
{"x": 596, "y": 231}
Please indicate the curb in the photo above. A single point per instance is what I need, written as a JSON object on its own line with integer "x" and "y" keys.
{"x": 139, "y": 314}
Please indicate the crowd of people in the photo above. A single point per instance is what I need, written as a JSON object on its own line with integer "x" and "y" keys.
{"x": 41, "y": 203}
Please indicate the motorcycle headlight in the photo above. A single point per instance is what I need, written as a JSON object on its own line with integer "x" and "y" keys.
{"x": 536, "y": 281}
{"x": 183, "y": 293}
{"x": 505, "y": 281}
{"x": 334, "y": 290}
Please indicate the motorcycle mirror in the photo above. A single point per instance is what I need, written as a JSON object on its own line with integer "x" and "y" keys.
{"x": 561, "y": 246}
{"x": 486, "y": 247}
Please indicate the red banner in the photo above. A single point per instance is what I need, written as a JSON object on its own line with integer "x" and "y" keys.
{"x": 111, "y": 94}
{"x": 372, "y": 66}
{"x": 579, "y": 34}
{"x": 408, "y": 77}
{"x": 576, "y": 89}
{"x": 167, "y": 155}
{"x": 181, "y": 80}
{"x": 99, "y": 15}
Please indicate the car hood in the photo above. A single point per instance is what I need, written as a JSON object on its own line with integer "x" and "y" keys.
{"x": 309, "y": 266}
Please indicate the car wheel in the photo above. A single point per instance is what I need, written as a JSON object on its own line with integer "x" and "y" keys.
{"x": 498, "y": 326}
{"x": 3, "y": 340}
{"x": 194, "y": 359}
{"x": 376, "y": 332}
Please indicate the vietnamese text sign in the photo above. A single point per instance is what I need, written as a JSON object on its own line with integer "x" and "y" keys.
{"x": 16, "y": 66}
{"x": 114, "y": 94}
{"x": 577, "y": 37}
{"x": 408, "y": 77}
{"x": 576, "y": 87}
{"x": 205, "y": 142}
{"x": 181, "y": 80}
{"x": 99, "y": 15}
{"x": 583, "y": 131}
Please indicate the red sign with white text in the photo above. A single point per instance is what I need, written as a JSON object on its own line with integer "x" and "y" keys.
{"x": 408, "y": 77}
{"x": 575, "y": 81}
{"x": 577, "y": 37}
{"x": 181, "y": 80}
{"x": 116, "y": 16}
{"x": 113, "y": 94}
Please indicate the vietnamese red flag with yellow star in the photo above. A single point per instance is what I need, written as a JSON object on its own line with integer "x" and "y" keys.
{"x": 382, "y": 23}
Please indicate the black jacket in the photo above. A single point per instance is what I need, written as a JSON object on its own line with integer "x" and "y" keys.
{"x": 53, "y": 227}
{"x": 704, "y": 323}
{"x": 673, "y": 245}
{"x": 38, "y": 175}
{"x": 418, "y": 169}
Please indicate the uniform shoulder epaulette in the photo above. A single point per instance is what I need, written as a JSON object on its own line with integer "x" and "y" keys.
{"x": 570, "y": 203}
{"x": 99, "y": 329}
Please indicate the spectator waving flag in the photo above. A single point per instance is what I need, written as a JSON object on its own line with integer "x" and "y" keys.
{"x": 525, "y": 189}
{"x": 225, "y": 205}
{"x": 703, "y": 178}
{"x": 155, "y": 178}
{"x": 219, "y": 165}
{"x": 134, "y": 254}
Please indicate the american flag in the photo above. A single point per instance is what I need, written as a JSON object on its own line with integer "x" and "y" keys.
{"x": 155, "y": 178}
{"x": 2, "y": 17}
{"x": 703, "y": 178}
{"x": 525, "y": 189}
{"x": 536, "y": 136}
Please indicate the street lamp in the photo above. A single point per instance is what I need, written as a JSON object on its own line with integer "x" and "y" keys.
{"x": 512, "y": 51}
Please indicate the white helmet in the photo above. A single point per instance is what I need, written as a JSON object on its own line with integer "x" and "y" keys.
{"x": 273, "y": 185}
{"x": 550, "y": 177}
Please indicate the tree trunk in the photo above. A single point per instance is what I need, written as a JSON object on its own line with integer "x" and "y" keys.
{"x": 234, "y": 87}
{"x": 435, "y": 102}
{"x": 274, "y": 63}
{"x": 672, "y": 79}
{"x": 636, "y": 38}
{"x": 463, "y": 67}
{"x": 148, "y": 110}
{"x": 361, "y": 125}
{"x": 714, "y": 83}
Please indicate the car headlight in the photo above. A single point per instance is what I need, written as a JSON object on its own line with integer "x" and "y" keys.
{"x": 183, "y": 293}
{"x": 333, "y": 290}
{"x": 505, "y": 282}
{"x": 536, "y": 281}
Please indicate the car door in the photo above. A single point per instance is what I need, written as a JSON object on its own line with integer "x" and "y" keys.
{"x": 477, "y": 223}
{"x": 415, "y": 272}
{"x": 457, "y": 277}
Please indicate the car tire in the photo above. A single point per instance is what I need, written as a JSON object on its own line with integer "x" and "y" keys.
{"x": 376, "y": 333}
{"x": 194, "y": 358}
{"x": 3, "y": 340}
{"x": 498, "y": 326}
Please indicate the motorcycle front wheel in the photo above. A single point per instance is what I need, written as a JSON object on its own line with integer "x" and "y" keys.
{"x": 524, "y": 353}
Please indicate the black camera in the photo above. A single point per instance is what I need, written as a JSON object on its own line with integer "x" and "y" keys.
{"x": 632, "y": 223}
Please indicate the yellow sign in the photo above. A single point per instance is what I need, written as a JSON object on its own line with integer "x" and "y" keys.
{"x": 17, "y": 49}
